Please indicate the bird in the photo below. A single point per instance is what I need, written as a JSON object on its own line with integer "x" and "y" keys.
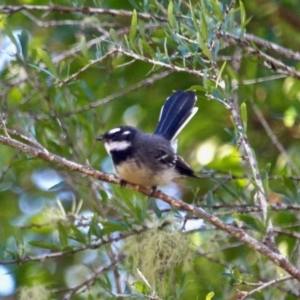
{"x": 150, "y": 160}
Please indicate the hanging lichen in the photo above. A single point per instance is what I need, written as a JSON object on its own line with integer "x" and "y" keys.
{"x": 157, "y": 252}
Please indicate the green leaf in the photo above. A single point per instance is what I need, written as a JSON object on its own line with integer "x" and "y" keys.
{"x": 251, "y": 222}
{"x": 48, "y": 61}
{"x": 203, "y": 46}
{"x": 95, "y": 229}
{"x": 209, "y": 199}
{"x": 171, "y": 17}
{"x": 244, "y": 116}
{"x": 90, "y": 297}
{"x": 209, "y": 296}
{"x": 202, "y": 6}
{"x": 152, "y": 204}
{"x": 57, "y": 186}
{"x": 195, "y": 20}
{"x": 143, "y": 31}
{"x": 166, "y": 50}
{"x": 113, "y": 35}
{"x": 199, "y": 88}
{"x": 113, "y": 225}
{"x": 141, "y": 49}
{"x": 290, "y": 186}
{"x": 204, "y": 32}
{"x": 130, "y": 208}
{"x": 126, "y": 41}
{"x": 216, "y": 9}
{"x": 84, "y": 48}
{"x": 23, "y": 38}
{"x": 226, "y": 275}
{"x": 44, "y": 245}
{"x": 265, "y": 177}
{"x": 18, "y": 237}
{"x": 78, "y": 235}
{"x": 242, "y": 14}
{"x": 141, "y": 287}
{"x": 147, "y": 48}
{"x": 104, "y": 196}
{"x": 63, "y": 69}
{"x": 237, "y": 274}
{"x": 220, "y": 75}
{"x": 141, "y": 209}
{"x": 217, "y": 94}
{"x": 62, "y": 233}
{"x": 133, "y": 29}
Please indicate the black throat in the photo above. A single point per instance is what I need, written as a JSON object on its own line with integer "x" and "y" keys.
{"x": 120, "y": 156}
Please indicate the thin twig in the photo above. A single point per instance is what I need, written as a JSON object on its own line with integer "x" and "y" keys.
{"x": 198, "y": 73}
{"x": 288, "y": 53}
{"x": 244, "y": 295}
{"x": 273, "y": 137}
{"x": 101, "y": 102}
{"x": 219, "y": 27}
{"x": 11, "y": 9}
{"x": 271, "y": 62}
{"x": 59, "y": 254}
{"x": 87, "y": 66}
{"x": 92, "y": 278}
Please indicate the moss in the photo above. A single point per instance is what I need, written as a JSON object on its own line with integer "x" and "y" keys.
{"x": 37, "y": 292}
{"x": 157, "y": 252}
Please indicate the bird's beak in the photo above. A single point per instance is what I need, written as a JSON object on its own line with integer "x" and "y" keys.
{"x": 100, "y": 138}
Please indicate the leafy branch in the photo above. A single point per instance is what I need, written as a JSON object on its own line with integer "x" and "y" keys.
{"x": 276, "y": 258}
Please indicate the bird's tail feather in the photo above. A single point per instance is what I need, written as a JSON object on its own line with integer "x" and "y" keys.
{"x": 176, "y": 113}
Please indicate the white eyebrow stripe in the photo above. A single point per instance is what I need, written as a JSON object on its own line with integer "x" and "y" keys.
{"x": 126, "y": 132}
{"x": 114, "y": 130}
{"x": 117, "y": 146}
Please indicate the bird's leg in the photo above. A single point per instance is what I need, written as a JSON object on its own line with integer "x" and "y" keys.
{"x": 153, "y": 190}
{"x": 122, "y": 183}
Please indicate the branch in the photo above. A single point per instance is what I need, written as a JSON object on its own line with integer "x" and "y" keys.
{"x": 272, "y": 63}
{"x": 88, "y": 65}
{"x": 277, "y": 258}
{"x": 92, "y": 278}
{"x": 261, "y": 195}
{"x": 245, "y": 295}
{"x": 154, "y": 62}
{"x": 273, "y": 137}
{"x": 11, "y": 9}
{"x": 90, "y": 246}
{"x": 272, "y": 46}
{"x": 148, "y": 81}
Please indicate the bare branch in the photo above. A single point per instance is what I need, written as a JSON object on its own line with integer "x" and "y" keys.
{"x": 273, "y": 137}
{"x": 272, "y": 46}
{"x": 245, "y": 295}
{"x": 92, "y": 278}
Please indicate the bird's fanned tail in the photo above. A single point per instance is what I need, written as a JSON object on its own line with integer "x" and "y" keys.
{"x": 176, "y": 113}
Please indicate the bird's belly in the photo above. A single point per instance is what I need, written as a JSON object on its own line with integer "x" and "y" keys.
{"x": 141, "y": 175}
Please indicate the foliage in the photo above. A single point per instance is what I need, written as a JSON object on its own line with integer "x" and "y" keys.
{"x": 70, "y": 70}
